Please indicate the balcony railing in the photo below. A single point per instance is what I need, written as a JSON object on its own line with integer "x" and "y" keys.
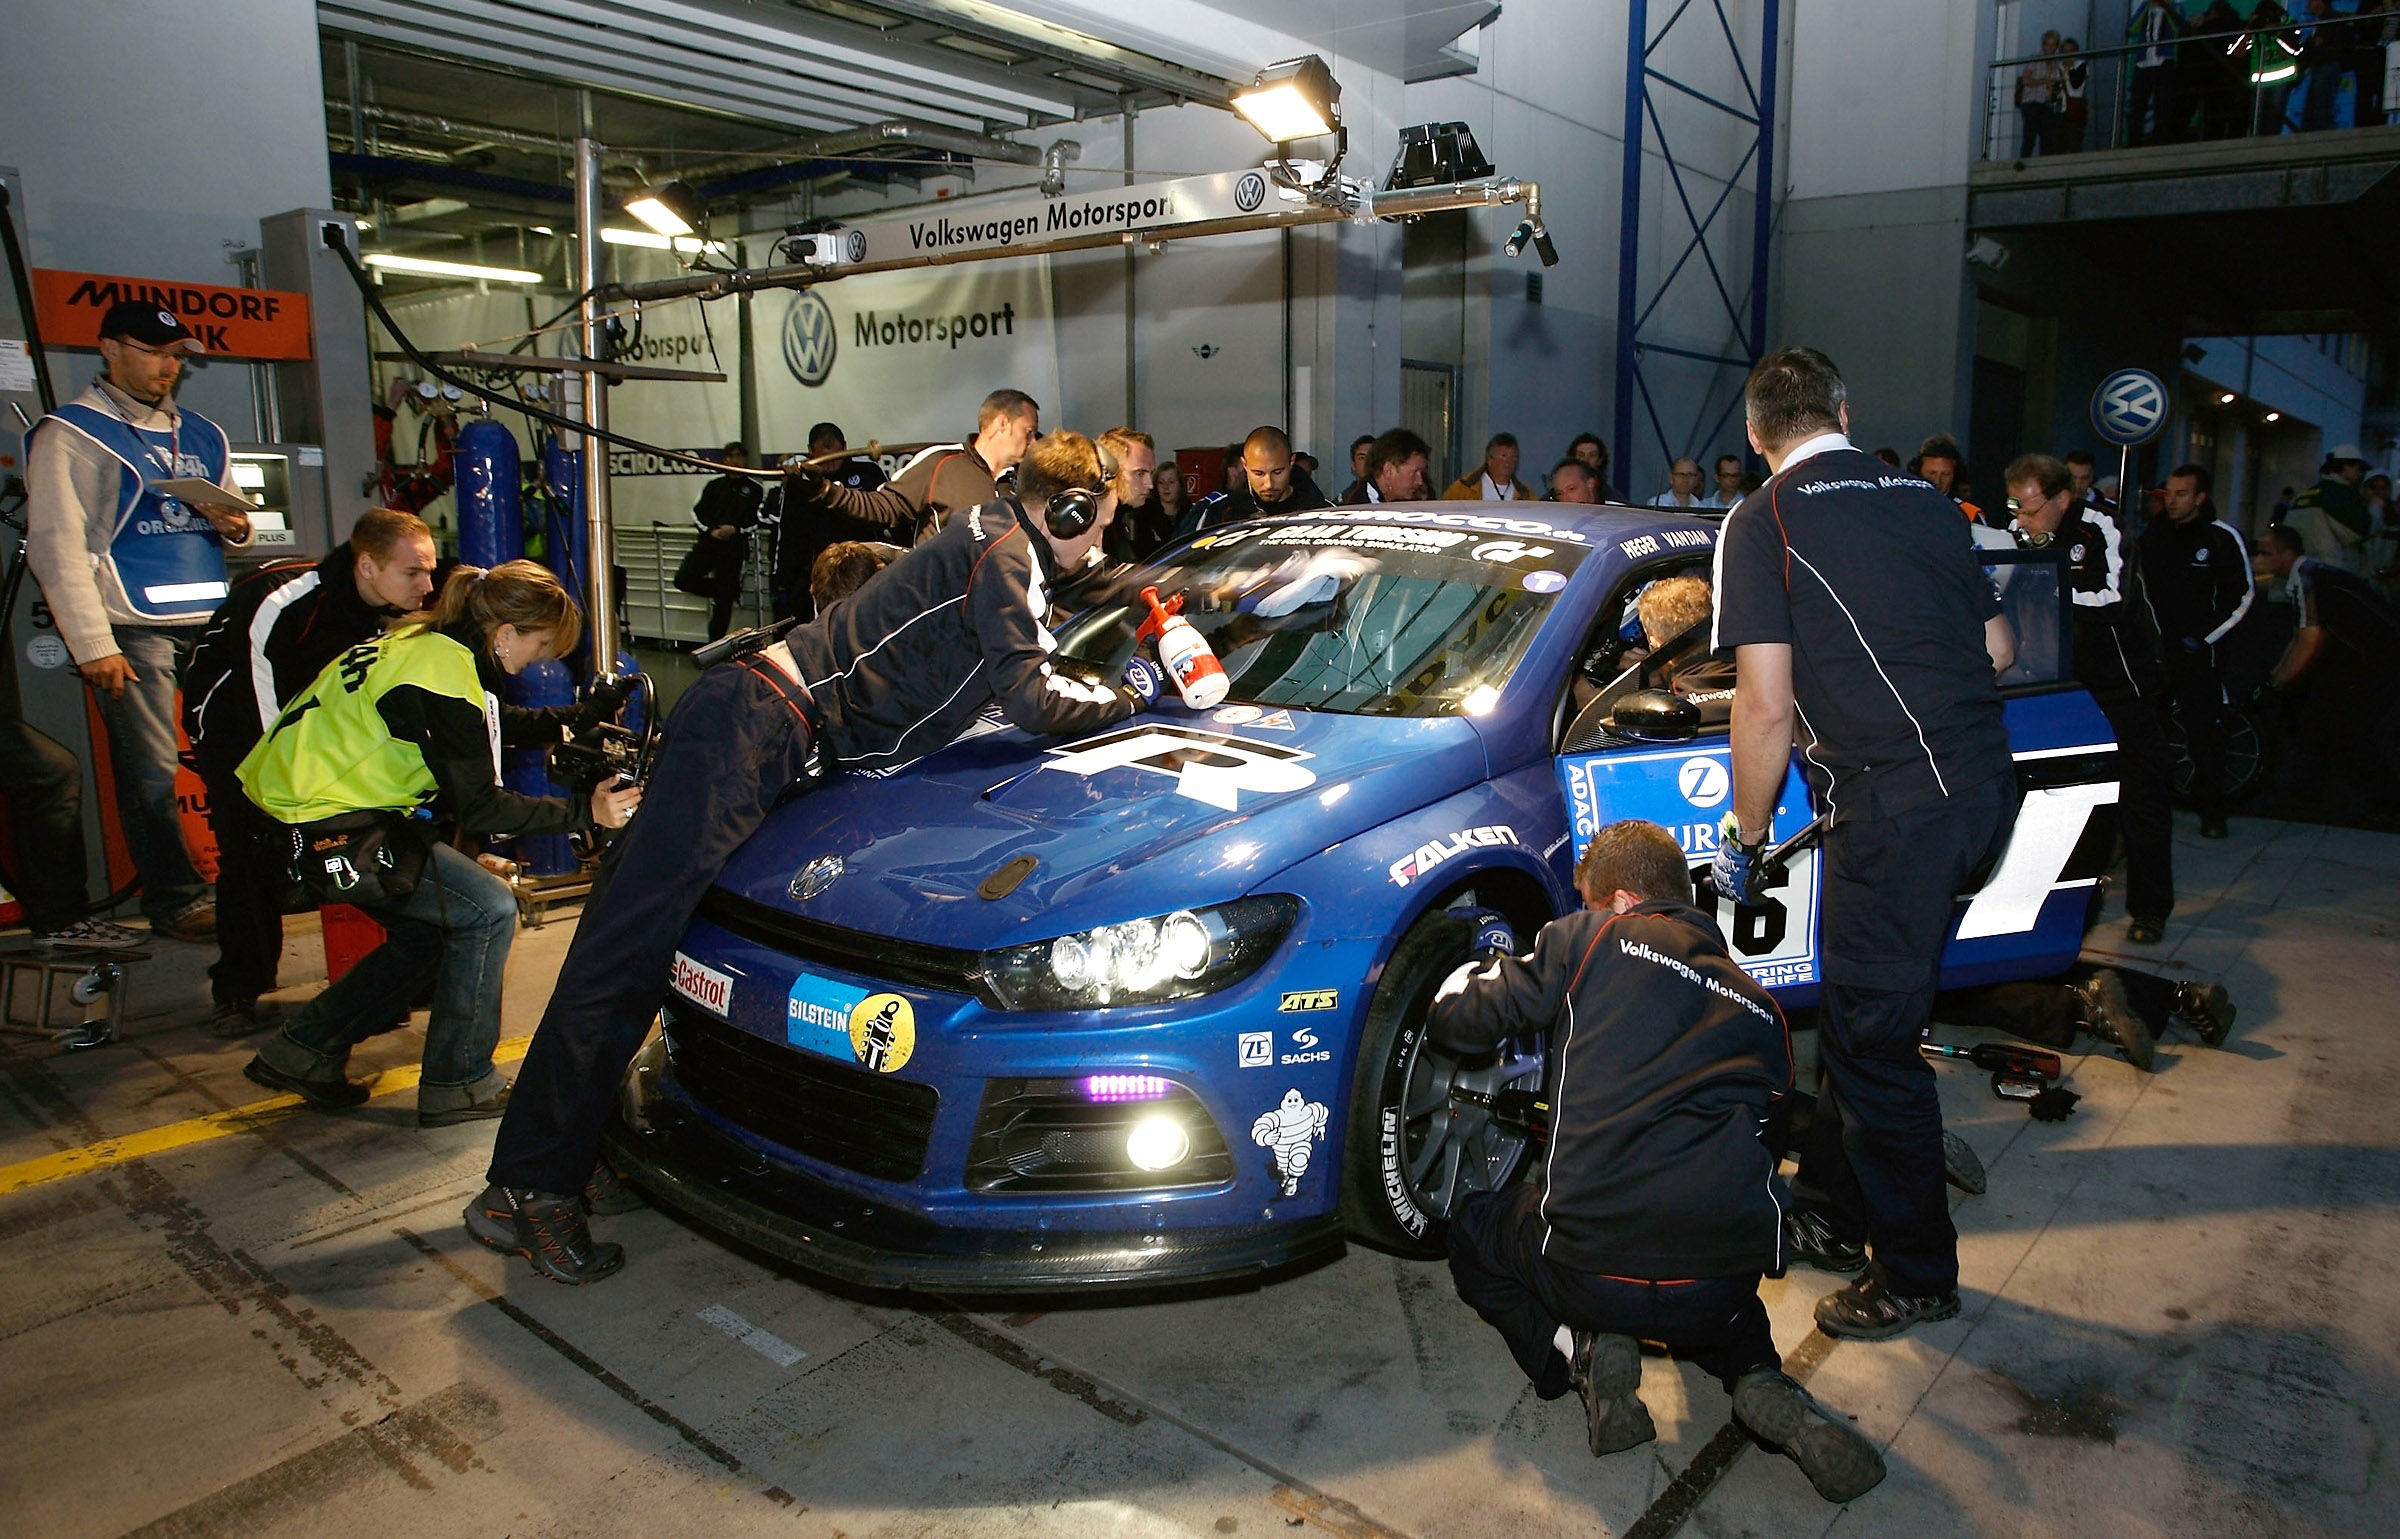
{"x": 2294, "y": 77}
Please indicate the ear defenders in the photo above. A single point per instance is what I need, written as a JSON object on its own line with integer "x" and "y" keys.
{"x": 1075, "y": 509}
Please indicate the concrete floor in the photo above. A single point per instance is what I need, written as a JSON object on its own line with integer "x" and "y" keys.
{"x": 2180, "y": 1319}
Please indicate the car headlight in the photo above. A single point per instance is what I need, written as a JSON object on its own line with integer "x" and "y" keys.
{"x": 1141, "y": 961}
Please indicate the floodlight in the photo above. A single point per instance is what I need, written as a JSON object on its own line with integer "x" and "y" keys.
{"x": 433, "y": 267}
{"x": 1297, "y": 99}
{"x": 670, "y": 208}
{"x": 1436, "y": 154}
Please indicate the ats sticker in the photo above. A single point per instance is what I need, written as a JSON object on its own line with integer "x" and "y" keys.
{"x": 1428, "y": 856}
{"x": 703, "y": 985}
{"x": 1285, "y": 1131}
{"x": 1297, "y": 1001}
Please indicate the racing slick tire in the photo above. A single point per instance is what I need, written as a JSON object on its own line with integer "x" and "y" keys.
{"x": 1423, "y": 1130}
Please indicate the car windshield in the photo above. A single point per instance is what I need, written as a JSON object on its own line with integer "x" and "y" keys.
{"x": 1370, "y": 620}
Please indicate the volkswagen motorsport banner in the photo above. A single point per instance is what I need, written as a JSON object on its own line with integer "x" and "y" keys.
{"x": 1013, "y": 220}
{"x": 906, "y": 356}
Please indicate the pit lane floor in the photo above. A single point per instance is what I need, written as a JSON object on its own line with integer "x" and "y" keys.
{"x": 2180, "y": 1319}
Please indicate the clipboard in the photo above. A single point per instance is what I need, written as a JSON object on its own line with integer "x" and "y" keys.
{"x": 205, "y": 495}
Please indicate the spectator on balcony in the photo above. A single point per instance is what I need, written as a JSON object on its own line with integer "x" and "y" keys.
{"x": 2074, "y": 105}
{"x": 2324, "y": 54}
{"x": 2274, "y": 64}
{"x": 2220, "y": 69}
{"x": 2150, "y": 110}
{"x": 2040, "y": 90}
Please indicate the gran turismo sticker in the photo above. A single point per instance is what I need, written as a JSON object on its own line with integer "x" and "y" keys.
{"x": 1301, "y": 1001}
{"x": 1544, "y": 581}
{"x": 703, "y": 985}
{"x": 883, "y": 1032}
{"x": 1207, "y": 766}
{"x": 1509, "y": 550}
{"x": 1427, "y": 856}
{"x": 1285, "y": 1131}
{"x": 1256, "y": 1049}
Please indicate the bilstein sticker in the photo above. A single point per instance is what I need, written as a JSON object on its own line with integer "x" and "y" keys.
{"x": 883, "y": 1032}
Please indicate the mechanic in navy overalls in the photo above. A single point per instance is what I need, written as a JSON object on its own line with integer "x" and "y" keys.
{"x": 131, "y": 575}
{"x": 1854, "y": 604}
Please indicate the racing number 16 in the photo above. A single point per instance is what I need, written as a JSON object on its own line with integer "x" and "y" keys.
{"x": 1757, "y": 928}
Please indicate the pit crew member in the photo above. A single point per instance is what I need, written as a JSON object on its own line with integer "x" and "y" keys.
{"x": 2198, "y": 574}
{"x": 917, "y": 503}
{"x": 1853, "y": 598}
{"x": 1657, "y": 1209}
{"x": 2338, "y": 669}
{"x": 894, "y": 671}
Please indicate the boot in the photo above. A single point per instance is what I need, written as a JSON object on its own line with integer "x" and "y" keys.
{"x": 546, "y": 1229}
{"x": 1838, "y": 1459}
{"x": 1607, "y": 1372}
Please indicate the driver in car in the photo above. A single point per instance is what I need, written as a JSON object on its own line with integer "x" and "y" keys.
{"x": 1659, "y": 1205}
{"x": 893, "y": 671}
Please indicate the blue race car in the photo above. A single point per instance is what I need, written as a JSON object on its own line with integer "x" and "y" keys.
{"x": 1150, "y": 1005}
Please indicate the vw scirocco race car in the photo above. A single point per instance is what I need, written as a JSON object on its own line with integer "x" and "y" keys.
{"x": 1150, "y": 1005}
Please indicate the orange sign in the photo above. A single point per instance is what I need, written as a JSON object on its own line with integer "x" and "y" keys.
{"x": 230, "y": 323}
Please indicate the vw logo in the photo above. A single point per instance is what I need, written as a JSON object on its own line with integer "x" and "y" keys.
{"x": 816, "y": 876}
{"x": 2130, "y": 407}
{"x": 808, "y": 339}
{"x": 856, "y": 244}
{"x": 1703, "y": 782}
{"x": 1249, "y": 192}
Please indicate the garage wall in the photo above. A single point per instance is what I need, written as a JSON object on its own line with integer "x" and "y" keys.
{"x": 153, "y": 135}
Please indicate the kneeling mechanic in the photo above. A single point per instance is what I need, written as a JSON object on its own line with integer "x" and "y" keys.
{"x": 892, "y": 672}
{"x": 1658, "y": 1205}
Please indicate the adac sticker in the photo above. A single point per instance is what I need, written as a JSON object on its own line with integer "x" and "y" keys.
{"x": 703, "y": 985}
{"x": 1285, "y": 1131}
{"x": 817, "y": 1015}
{"x": 883, "y": 1032}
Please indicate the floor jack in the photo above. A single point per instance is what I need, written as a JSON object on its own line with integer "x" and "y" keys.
{"x": 89, "y": 977}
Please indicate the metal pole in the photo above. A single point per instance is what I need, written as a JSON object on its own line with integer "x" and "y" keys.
{"x": 1763, "y": 221}
{"x": 1132, "y": 379}
{"x": 600, "y": 599}
{"x": 1629, "y": 233}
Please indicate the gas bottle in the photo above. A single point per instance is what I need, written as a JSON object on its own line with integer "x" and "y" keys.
{"x": 1183, "y": 652}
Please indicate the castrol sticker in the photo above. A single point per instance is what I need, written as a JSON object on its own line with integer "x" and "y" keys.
{"x": 703, "y": 985}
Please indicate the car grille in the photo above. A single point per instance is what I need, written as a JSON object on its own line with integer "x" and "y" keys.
{"x": 873, "y": 956}
{"x": 847, "y": 1116}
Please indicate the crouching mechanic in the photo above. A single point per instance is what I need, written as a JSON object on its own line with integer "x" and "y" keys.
{"x": 895, "y": 671}
{"x": 1659, "y": 1206}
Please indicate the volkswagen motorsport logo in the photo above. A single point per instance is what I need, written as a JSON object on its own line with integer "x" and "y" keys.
{"x": 1703, "y": 782}
{"x": 1249, "y": 192}
{"x": 855, "y": 245}
{"x": 2130, "y": 407}
{"x": 809, "y": 342}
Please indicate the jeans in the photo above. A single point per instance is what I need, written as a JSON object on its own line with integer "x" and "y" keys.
{"x": 1716, "y": 1323}
{"x": 1872, "y": 1166}
{"x": 249, "y": 919}
{"x": 45, "y": 814}
{"x": 734, "y": 747}
{"x": 457, "y": 926}
{"x": 141, "y": 745}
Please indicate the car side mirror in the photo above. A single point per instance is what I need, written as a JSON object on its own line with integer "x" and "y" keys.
{"x": 1655, "y": 716}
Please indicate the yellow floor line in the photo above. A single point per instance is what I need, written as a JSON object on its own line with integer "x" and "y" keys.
{"x": 199, "y": 1130}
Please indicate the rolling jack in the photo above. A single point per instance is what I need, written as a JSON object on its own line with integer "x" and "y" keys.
{"x": 88, "y": 977}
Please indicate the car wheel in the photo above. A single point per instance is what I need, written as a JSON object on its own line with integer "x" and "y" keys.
{"x": 2249, "y": 756}
{"x": 1426, "y": 1126}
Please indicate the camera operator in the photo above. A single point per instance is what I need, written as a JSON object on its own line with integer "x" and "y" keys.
{"x": 1657, "y": 1209}
{"x": 892, "y": 672}
{"x": 398, "y": 723}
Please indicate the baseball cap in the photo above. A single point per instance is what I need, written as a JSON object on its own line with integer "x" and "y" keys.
{"x": 2347, "y": 452}
{"x": 149, "y": 325}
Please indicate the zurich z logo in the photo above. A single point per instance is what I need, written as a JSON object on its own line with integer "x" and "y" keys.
{"x": 808, "y": 340}
{"x": 1703, "y": 782}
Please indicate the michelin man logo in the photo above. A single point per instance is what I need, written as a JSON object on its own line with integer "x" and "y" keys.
{"x": 1286, "y": 1131}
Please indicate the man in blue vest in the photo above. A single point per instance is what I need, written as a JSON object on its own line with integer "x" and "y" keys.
{"x": 131, "y": 573}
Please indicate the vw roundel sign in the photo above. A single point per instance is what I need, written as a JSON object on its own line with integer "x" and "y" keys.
{"x": 855, "y": 243}
{"x": 2130, "y": 407}
{"x": 808, "y": 339}
{"x": 1249, "y": 192}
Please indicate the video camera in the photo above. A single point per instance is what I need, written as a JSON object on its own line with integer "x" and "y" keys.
{"x": 604, "y": 750}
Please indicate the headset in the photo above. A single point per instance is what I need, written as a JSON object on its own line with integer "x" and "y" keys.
{"x": 1076, "y": 508}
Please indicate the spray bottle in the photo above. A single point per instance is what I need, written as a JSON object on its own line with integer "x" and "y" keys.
{"x": 1183, "y": 652}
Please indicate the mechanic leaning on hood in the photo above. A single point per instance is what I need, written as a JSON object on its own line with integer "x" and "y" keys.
{"x": 893, "y": 671}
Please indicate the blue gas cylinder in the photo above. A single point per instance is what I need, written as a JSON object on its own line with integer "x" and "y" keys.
{"x": 490, "y": 488}
{"x": 525, "y": 770}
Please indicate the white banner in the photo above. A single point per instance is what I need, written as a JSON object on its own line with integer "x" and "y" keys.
{"x": 1014, "y": 221}
{"x": 906, "y": 356}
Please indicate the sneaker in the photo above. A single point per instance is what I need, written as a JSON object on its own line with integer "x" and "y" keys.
{"x": 89, "y": 935}
{"x": 1867, "y": 1310}
{"x": 236, "y": 1018}
{"x": 2207, "y": 1009}
{"x": 2108, "y": 1013}
{"x": 323, "y": 1094}
{"x": 546, "y": 1229}
{"x": 2212, "y": 825}
{"x": 196, "y": 921}
{"x": 1960, "y": 1167}
{"x": 606, "y": 1193}
{"x": 2145, "y": 932}
{"x": 1808, "y": 1239}
{"x": 1838, "y": 1459}
{"x": 475, "y": 1111}
{"x": 1607, "y": 1372}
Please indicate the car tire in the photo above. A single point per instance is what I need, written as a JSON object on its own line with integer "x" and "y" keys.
{"x": 1382, "y": 1205}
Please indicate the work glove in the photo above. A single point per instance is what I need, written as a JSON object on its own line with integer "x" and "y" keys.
{"x": 1145, "y": 679}
{"x": 1739, "y": 872}
{"x": 803, "y": 488}
{"x": 1494, "y": 937}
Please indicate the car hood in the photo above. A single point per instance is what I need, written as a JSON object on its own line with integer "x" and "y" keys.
{"x": 1171, "y": 809}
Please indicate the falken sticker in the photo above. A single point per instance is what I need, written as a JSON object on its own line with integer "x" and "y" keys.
{"x": 1300, "y": 1001}
{"x": 1208, "y": 766}
{"x": 1285, "y": 1131}
{"x": 1256, "y": 1049}
{"x": 1545, "y": 581}
{"x": 816, "y": 1016}
{"x": 1427, "y": 856}
{"x": 703, "y": 985}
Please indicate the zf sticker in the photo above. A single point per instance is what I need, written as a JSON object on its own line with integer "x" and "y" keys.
{"x": 1257, "y": 1049}
{"x": 1285, "y": 1131}
{"x": 1300, "y": 1001}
